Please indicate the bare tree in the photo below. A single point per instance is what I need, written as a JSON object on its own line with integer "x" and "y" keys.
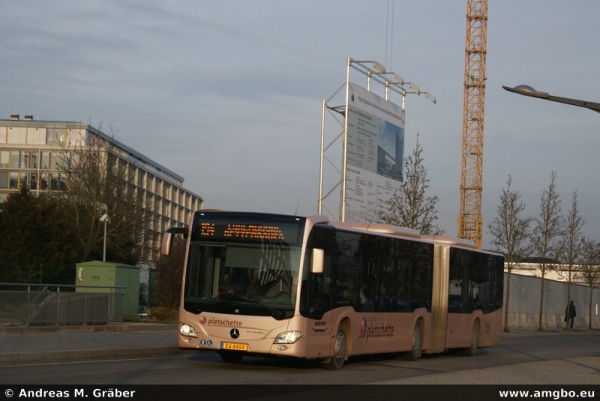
{"x": 92, "y": 173}
{"x": 545, "y": 237}
{"x": 589, "y": 268}
{"x": 511, "y": 233}
{"x": 410, "y": 206}
{"x": 169, "y": 271}
{"x": 570, "y": 247}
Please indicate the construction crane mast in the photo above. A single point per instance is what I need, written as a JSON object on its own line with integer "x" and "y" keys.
{"x": 470, "y": 221}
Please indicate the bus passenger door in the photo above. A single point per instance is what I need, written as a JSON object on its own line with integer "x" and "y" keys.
{"x": 316, "y": 304}
{"x": 319, "y": 317}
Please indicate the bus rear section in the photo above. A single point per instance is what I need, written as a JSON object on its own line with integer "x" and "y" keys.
{"x": 385, "y": 289}
{"x": 467, "y": 311}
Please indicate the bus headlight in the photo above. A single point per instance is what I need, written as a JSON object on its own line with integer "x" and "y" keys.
{"x": 187, "y": 330}
{"x": 287, "y": 337}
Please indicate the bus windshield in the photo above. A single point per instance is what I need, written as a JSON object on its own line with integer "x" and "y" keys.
{"x": 243, "y": 267}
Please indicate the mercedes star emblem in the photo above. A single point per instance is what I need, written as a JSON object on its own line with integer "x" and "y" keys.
{"x": 234, "y": 333}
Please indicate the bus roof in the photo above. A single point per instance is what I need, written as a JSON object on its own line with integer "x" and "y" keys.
{"x": 375, "y": 228}
{"x": 403, "y": 232}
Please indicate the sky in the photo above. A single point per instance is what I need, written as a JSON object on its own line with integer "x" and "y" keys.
{"x": 229, "y": 94}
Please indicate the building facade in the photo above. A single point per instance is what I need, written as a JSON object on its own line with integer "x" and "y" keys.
{"x": 31, "y": 153}
{"x": 560, "y": 272}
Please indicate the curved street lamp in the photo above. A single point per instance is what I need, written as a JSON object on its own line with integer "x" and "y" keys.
{"x": 527, "y": 90}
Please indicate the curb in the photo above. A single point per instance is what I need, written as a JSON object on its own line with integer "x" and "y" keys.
{"x": 23, "y": 358}
{"x": 520, "y": 332}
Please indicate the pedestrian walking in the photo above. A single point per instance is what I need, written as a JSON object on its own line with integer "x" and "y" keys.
{"x": 570, "y": 314}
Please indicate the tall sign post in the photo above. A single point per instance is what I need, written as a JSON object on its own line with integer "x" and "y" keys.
{"x": 359, "y": 176}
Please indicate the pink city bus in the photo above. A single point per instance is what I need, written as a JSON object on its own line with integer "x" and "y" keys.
{"x": 311, "y": 288}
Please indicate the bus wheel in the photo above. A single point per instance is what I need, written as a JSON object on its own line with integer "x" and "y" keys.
{"x": 415, "y": 352}
{"x": 472, "y": 350}
{"x": 231, "y": 357}
{"x": 339, "y": 351}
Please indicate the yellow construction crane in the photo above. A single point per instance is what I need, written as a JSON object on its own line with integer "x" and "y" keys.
{"x": 470, "y": 222}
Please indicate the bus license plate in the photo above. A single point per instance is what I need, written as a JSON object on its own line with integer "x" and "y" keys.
{"x": 235, "y": 346}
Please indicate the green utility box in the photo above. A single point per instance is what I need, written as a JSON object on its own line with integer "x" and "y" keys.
{"x": 105, "y": 274}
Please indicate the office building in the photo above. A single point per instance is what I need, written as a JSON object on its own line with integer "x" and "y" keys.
{"x": 31, "y": 152}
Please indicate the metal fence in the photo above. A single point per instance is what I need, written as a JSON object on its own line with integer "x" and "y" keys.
{"x": 59, "y": 305}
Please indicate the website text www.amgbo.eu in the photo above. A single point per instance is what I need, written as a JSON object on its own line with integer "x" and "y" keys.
{"x": 552, "y": 394}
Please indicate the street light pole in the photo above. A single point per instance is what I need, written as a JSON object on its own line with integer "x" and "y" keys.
{"x": 104, "y": 250}
{"x": 104, "y": 219}
{"x": 527, "y": 90}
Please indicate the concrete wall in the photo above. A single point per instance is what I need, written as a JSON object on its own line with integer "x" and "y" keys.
{"x": 524, "y": 303}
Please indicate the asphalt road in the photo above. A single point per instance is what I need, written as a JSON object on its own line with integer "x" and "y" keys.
{"x": 520, "y": 358}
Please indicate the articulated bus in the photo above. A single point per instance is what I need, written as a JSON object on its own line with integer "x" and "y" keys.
{"x": 311, "y": 288}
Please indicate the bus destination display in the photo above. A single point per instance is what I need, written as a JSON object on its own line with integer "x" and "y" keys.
{"x": 241, "y": 231}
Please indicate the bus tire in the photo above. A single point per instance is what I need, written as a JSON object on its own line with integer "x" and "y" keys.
{"x": 231, "y": 356}
{"x": 415, "y": 352}
{"x": 472, "y": 349}
{"x": 340, "y": 351}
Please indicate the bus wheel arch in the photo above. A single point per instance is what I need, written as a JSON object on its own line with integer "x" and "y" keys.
{"x": 417, "y": 343}
{"x": 340, "y": 347}
{"x": 472, "y": 349}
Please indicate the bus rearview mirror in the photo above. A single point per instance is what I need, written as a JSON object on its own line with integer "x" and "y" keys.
{"x": 165, "y": 245}
{"x": 167, "y": 239}
{"x": 317, "y": 262}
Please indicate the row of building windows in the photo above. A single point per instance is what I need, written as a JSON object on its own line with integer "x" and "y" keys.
{"x": 32, "y": 159}
{"x": 69, "y": 137}
{"x": 50, "y": 149}
{"x": 57, "y": 181}
{"x": 48, "y": 160}
{"x": 33, "y": 180}
{"x": 42, "y": 136}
